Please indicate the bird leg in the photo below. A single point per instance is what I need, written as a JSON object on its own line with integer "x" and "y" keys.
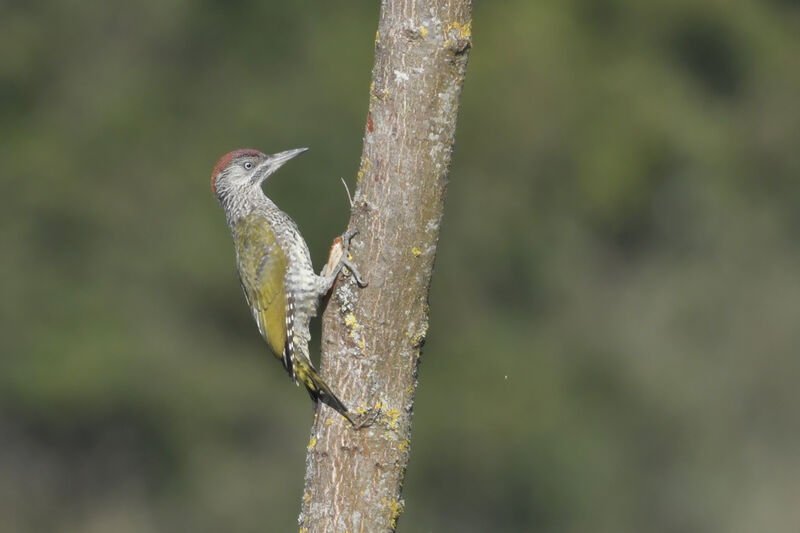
{"x": 345, "y": 259}
{"x": 338, "y": 258}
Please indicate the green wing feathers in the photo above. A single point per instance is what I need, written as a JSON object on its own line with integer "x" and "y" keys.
{"x": 262, "y": 265}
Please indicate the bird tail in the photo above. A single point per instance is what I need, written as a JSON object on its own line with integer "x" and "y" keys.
{"x": 318, "y": 389}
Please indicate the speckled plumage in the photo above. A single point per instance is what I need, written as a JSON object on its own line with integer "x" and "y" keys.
{"x": 274, "y": 264}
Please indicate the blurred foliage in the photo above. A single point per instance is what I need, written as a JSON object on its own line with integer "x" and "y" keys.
{"x": 615, "y": 308}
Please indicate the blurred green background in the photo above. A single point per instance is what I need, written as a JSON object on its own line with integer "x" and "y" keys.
{"x": 615, "y": 312}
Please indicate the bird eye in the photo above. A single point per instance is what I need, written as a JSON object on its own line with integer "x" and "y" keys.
{"x": 248, "y": 165}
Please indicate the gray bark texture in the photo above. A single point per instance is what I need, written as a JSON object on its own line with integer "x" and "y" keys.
{"x": 372, "y": 337}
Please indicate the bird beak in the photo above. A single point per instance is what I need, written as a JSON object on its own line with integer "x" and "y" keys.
{"x": 276, "y": 161}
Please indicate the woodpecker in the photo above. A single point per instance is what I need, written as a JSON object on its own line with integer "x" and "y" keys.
{"x": 274, "y": 265}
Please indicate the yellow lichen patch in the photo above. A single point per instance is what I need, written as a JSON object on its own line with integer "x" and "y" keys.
{"x": 354, "y": 330}
{"x": 423, "y": 31}
{"x": 418, "y": 338}
{"x": 465, "y": 29}
{"x": 403, "y": 446}
{"x": 329, "y": 422}
{"x": 377, "y": 36}
{"x": 307, "y": 497}
{"x": 395, "y": 508}
{"x": 391, "y": 418}
{"x": 365, "y": 166}
{"x": 312, "y": 443}
{"x": 361, "y": 410}
{"x": 303, "y": 530}
{"x": 352, "y": 324}
{"x": 416, "y": 251}
{"x": 379, "y": 404}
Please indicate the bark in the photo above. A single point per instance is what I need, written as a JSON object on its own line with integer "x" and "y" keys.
{"x": 372, "y": 337}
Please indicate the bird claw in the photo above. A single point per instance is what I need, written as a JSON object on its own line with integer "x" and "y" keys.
{"x": 354, "y": 271}
{"x": 347, "y": 236}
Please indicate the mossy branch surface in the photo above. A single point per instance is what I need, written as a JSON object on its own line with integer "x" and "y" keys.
{"x": 372, "y": 337}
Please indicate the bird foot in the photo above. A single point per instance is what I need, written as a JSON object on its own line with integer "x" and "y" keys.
{"x": 338, "y": 258}
{"x": 345, "y": 261}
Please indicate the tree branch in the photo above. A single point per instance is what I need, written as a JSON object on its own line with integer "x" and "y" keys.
{"x": 371, "y": 338}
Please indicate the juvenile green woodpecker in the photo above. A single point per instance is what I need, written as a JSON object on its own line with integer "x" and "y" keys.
{"x": 274, "y": 265}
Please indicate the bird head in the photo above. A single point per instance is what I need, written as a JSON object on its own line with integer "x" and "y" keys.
{"x": 242, "y": 171}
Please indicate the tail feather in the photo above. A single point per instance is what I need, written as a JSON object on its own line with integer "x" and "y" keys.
{"x": 318, "y": 389}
